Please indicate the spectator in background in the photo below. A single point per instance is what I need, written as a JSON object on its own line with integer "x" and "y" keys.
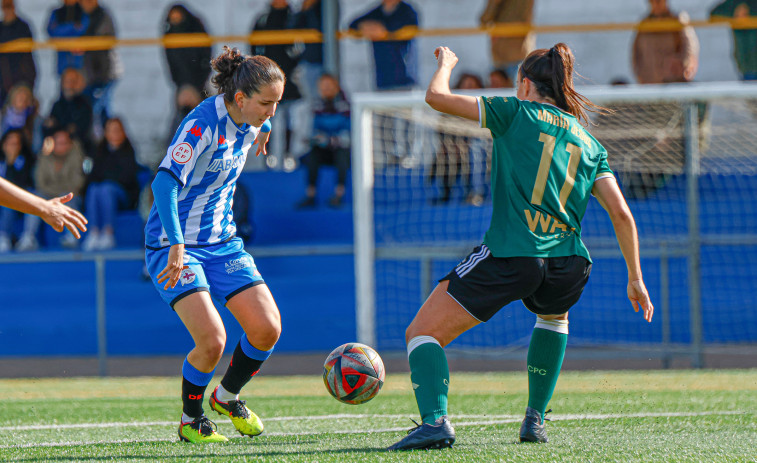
{"x": 69, "y": 20}
{"x": 663, "y": 57}
{"x": 59, "y": 172}
{"x": 311, "y": 59}
{"x": 111, "y": 185}
{"x": 469, "y": 81}
{"x": 188, "y": 65}
{"x": 744, "y": 40}
{"x": 16, "y": 164}
{"x": 101, "y": 67}
{"x": 21, "y": 112}
{"x": 330, "y": 143}
{"x": 187, "y": 98}
{"x": 395, "y": 61}
{"x": 15, "y": 68}
{"x": 280, "y": 16}
{"x": 396, "y": 68}
{"x": 72, "y": 111}
{"x": 499, "y": 78}
{"x": 508, "y": 52}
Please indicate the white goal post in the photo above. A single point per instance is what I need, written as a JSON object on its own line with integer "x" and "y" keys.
{"x": 703, "y": 128}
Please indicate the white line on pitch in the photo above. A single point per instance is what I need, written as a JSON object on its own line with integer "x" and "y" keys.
{"x": 34, "y": 427}
{"x": 487, "y": 420}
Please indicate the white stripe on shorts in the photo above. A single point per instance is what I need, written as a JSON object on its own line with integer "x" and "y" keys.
{"x": 462, "y": 265}
{"x": 468, "y": 264}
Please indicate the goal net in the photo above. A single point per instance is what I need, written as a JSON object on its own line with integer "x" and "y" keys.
{"x": 685, "y": 158}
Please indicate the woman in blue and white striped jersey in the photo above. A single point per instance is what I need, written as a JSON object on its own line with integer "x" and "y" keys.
{"x": 191, "y": 244}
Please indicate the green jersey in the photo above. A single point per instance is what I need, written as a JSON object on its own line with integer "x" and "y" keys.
{"x": 544, "y": 165}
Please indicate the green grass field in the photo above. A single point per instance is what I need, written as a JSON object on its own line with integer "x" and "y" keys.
{"x": 702, "y": 416}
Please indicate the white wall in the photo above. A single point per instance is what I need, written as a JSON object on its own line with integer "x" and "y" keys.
{"x": 143, "y": 97}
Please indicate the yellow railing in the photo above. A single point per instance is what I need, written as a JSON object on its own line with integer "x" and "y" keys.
{"x": 313, "y": 36}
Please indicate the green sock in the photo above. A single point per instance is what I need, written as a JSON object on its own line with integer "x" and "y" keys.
{"x": 545, "y": 356}
{"x": 429, "y": 374}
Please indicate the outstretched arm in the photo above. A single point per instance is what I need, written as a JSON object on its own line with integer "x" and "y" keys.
{"x": 607, "y": 192}
{"x": 52, "y": 211}
{"x": 438, "y": 95}
{"x": 165, "y": 189}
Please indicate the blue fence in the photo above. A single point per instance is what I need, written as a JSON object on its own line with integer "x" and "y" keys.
{"x": 50, "y": 308}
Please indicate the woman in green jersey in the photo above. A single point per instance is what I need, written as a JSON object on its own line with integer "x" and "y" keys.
{"x": 545, "y": 165}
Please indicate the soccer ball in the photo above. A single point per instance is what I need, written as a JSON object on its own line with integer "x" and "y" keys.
{"x": 353, "y": 373}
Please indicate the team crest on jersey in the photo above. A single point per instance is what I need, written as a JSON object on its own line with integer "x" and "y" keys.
{"x": 187, "y": 276}
{"x": 238, "y": 264}
{"x": 182, "y": 153}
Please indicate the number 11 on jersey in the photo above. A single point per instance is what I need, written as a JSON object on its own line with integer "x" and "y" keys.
{"x": 543, "y": 173}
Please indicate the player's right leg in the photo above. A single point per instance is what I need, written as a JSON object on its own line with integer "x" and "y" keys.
{"x": 204, "y": 324}
{"x": 192, "y": 303}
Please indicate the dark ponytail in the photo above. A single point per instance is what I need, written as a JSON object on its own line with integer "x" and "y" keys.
{"x": 247, "y": 74}
{"x": 551, "y": 71}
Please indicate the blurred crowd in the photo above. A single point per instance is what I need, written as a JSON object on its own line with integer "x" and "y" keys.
{"x": 82, "y": 146}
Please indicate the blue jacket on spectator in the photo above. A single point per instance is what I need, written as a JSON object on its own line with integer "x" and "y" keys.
{"x": 68, "y": 21}
{"x": 311, "y": 18}
{"x": 331, "y": 122}
{"x": 396, "y": 61}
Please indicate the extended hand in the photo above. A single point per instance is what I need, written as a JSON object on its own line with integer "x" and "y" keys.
{"x": 637, "y": 294}
{"x": 60, "y": 216}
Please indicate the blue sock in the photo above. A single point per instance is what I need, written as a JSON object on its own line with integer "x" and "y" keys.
{"x": 245, "y": 363}
{"x": 193, "y": 385}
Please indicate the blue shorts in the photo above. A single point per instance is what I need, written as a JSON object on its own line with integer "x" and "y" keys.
{"x": 224, "y": 270}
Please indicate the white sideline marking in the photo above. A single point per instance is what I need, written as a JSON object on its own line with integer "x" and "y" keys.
{"x": 33, "y": 427}
{"x": 479, "y": 420}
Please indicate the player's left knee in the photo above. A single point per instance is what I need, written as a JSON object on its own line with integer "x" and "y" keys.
{"x": 266, "y": 338}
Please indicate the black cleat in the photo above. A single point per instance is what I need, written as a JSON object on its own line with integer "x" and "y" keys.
{"x": 532, "y": 428}
{"x": 425, "y": 436}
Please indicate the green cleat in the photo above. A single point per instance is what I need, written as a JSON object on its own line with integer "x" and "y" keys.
{"x": 246, "y": 422}
{"x": 200, "y": 431}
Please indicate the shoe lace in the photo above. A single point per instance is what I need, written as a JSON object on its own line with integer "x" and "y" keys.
{"x": 545, "y": 415}
{"x": 204, "y": 426}
{"x": 239, "y": 408}
{"x": 417, "y": 427}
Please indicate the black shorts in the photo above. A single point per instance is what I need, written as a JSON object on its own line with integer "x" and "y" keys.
{"x": 482, "y": 284}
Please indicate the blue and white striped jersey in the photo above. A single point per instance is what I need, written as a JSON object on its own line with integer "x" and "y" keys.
{"x": 206, "y": 156}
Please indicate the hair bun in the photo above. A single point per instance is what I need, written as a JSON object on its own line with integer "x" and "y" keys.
{"x": 239, "y": 72}
{"x": 237, "y": 58}
{"x": 234, "y": 58}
